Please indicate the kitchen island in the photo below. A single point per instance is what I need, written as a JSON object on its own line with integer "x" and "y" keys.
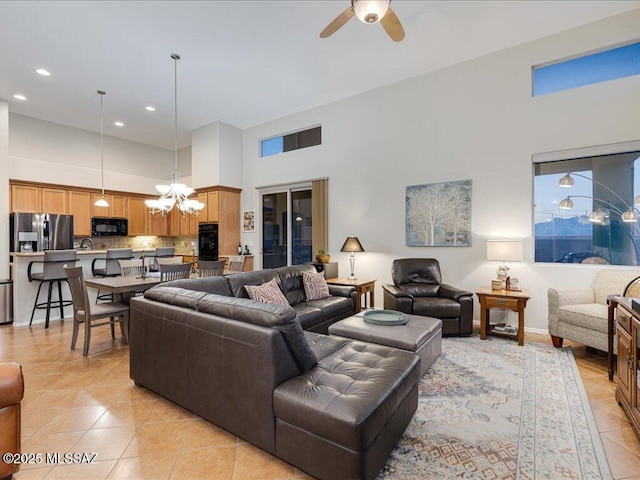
{"x": 24, "y": 292}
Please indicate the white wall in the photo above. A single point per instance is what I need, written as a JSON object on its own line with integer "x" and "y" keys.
{"x": 4, "y": 191}
{"x": 216, "y": 157}
{"x": 48, "y": 152}
{"x": 475, "y": 120}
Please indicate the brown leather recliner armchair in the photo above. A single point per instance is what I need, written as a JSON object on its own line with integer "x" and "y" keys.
{"x": 11, "y": 393}
{"x": 418, "y": 290}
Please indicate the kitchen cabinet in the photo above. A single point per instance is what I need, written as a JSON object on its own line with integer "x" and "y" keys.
{"x": 117, "y": 206}
{"x": 25, "y": 198}
{"x": 138, "y": 213}
{"x": 54, "y": 200}
{"x": 228, "y": 205}
{"x": 213, "y": 205}
{"x": 156, "y": 224}
{"x": 80, "y": 207}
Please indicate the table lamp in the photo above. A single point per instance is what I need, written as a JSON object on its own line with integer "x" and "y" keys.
{"x": 504, "y": 251}
{"x": 352, "y": 244}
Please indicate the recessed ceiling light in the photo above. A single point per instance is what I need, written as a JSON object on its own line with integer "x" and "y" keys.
{"x": 118, "y": 124}
{"x": 150, "y": 108}
{"x": 17, "y": 96}
{"x": 43, "y": 72}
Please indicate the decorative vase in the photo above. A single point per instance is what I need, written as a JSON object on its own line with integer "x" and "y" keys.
{"x": 323, "y": 258}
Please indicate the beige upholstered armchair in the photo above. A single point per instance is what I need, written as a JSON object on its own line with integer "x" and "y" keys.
{"x": 580, "y": 315}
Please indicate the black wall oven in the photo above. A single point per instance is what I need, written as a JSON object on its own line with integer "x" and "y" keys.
{"x": 208, "y": 241}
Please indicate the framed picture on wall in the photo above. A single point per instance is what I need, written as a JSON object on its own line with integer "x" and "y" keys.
{"x": 249, "y": 221}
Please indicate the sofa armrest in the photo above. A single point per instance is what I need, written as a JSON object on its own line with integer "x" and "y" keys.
{"x": 396, "y": 291}
{"x": 341, "y": 290}
{"x": 572, "y": 296}
{"x": 452, "y": 293}
{"x": 11, "y": 384}
{"x": 395, "y": 298}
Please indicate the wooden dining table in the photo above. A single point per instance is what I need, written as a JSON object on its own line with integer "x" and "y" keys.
{"x": 121, "y": 285}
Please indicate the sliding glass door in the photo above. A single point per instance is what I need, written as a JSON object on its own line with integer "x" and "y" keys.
{"x": 288, "y": 230}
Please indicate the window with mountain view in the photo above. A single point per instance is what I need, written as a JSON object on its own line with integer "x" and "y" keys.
{"x": 586, "y": 210}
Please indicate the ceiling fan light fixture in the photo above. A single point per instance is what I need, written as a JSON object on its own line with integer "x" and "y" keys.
{"x": 370, "y": 11}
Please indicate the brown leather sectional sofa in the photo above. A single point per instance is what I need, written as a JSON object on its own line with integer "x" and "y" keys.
{"x": 315, "y": 315}
{"x": 333, "y": 407}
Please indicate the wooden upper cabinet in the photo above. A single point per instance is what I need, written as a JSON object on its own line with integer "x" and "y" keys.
{"x": 138, "y": 213}
{"x": 100, "y": 211}
{"x": 54, "y": 200}
{"x": 156, "y": 224}
{"x": 118, "y": 206}
{"x": 202, "y": 197}
{"x": 173, "y": 223}
{"x": 25, "y": 198}
{"x": 212, "y": 207}
{"x": 80, "y": 207}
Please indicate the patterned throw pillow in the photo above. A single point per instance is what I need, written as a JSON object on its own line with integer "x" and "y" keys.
{"x": 268, "y": 292}
{"x": 315, "y": 286}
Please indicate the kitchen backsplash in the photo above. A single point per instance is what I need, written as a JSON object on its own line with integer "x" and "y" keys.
{"x": 183, "y": 244}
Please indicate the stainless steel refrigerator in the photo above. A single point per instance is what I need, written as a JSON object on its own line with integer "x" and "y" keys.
{"x": 36, "y": 232}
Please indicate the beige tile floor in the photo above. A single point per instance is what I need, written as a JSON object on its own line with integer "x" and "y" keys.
{"x": 79, "y": 404}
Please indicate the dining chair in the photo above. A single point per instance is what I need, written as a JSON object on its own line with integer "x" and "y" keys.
{"x": 162, "y": 252}
{"x": 129, "y": 268}
{"x": 168, "y": 260}
{"x": 236, "y": 263}
{"x": 174, "y": 271}
{"x": 211, "y": 268}
{"x": 111, "y": 267}
{"x": 86, "y": 312}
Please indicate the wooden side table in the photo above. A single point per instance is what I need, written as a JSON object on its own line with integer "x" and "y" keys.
{"x": 506, "y": 299}
{"x": 362, "y": 288}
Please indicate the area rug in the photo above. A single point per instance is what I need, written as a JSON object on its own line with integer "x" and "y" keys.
{"x": 489, "y": 409}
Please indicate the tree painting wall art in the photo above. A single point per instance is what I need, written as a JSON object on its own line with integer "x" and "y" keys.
{"x": 439, "y": 214}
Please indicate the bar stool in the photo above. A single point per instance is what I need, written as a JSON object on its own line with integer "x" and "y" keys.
{"x": 52, "y": 272}
{"x": 111, "y": 267}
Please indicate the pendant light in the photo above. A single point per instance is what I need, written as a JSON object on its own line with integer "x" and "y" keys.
{"x": 176, "y": 193}
{"x": 101, "y": 202}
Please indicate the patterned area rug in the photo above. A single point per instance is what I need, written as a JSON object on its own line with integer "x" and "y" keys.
{"x": 489, "y": 409}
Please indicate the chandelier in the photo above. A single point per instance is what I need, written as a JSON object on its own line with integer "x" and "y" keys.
{"x": 175, "y": 194}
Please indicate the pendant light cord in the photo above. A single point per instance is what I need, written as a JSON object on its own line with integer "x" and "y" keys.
{"x": 101, "y": 93}
{"x": 175, "y": 57}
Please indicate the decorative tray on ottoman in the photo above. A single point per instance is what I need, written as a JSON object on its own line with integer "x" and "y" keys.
{"x": 385, "y": 317}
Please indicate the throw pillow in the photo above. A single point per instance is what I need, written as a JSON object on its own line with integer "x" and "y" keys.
{"x": 268, "y": 292}
{"x": 315, "y": 286}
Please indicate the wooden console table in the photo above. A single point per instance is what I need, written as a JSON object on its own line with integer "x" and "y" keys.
{"x": 506, "y": 299}
{"x": 362, "y": 288}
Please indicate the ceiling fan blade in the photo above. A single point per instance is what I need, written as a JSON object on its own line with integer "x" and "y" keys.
{"x": 337, "y": 22}
{"x": 391, "y": 24}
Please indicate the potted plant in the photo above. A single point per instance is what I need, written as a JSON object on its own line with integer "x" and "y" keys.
{"x": 322, "y": 256}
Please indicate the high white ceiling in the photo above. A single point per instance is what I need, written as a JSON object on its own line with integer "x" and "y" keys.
{"x": 243, "y": 62}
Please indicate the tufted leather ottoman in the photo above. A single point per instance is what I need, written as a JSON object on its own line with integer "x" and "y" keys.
{"x": 352, "y": 407}
{"x": 421, "y": 335}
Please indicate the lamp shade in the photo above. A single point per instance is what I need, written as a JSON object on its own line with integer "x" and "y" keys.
{"x": 504, "y": 250}
{"x": 352, "y": 244}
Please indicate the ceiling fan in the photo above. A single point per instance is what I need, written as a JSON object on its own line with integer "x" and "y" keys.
{"x": 369, "y": 11}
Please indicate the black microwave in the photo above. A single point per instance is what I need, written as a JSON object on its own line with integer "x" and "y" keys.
{"x": 101, "y": 227}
